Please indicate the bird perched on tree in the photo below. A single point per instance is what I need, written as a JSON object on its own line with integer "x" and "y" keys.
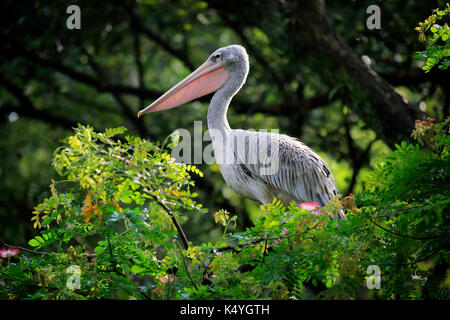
{"x": 256, "y": 165}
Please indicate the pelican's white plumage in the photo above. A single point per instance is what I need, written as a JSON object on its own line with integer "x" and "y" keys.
{"x": 298, "y": 173}
{"x": 285, "y": 168}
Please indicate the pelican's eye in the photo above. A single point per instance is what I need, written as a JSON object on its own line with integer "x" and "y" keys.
{"x": 217, "y": 57}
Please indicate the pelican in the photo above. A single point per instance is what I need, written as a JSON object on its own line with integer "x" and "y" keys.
{"x": 263, "y": 165}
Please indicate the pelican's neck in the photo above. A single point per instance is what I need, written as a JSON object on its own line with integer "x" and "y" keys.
{"x": 218, "y": 126}
{"x": 217, "y": 112}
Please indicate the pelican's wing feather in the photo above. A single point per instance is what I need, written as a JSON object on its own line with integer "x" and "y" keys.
{"x": 287, "y": 165}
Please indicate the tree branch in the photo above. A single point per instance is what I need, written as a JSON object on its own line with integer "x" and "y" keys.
{"x": 157, "y": 200}
{"x": 172, "y": 217}
{"x": 117, "y": 271}
{"x": 238, "y": 105}
{"x": 266, "y": 237}
{"x": 254, "y": 52}
{"x": 153, "y": 36}
{"x": 187, "y": 271}
{"x": 27, "y": 250}
{"x": 284, "y": 108}
{"x": 29, "y": 110}
{"x": 414, "y": 76}
{"x": 138, "y": 62}
{"x": 395, "y": 233}
{"x": 311, "y": 28}
{"x": 78, "y": 76}
{"x": 126, "y": 109}
{"x": 358, "y": 157}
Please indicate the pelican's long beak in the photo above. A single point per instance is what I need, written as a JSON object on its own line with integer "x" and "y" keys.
{"x": 209, "y": 77}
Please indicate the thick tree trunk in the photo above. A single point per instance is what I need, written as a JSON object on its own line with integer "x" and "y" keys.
{"x": 309, "y": 32}
{"x": 312, "y": 30}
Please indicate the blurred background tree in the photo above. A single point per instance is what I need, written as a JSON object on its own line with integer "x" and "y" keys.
{"x": 317, "y": 73}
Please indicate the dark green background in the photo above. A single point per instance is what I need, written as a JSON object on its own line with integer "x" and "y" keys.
{"x": 126, "y": 54}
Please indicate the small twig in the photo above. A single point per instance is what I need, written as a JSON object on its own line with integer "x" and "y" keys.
{"x": 258, "y": 56}
{"x": 172, "y": 217}
{"x": 113, "y": 261}
{"x": 412, "y": 262}
{"x": 168, "y": 288}
{"x": 395, "y": 233}
{"x": 126, "y": 109}
{"x": 157, "y": 200}
{"x": 116, "y": 270}
{"x": 265, "y": 238}
{"x": 138, "y": 27}
{"x": 264, "y": 252}
{"x": 27, "y": 250}
{"x": 138, "y": 61}
{"x": 187, "y": 271}
{"x": 256, "y": 241}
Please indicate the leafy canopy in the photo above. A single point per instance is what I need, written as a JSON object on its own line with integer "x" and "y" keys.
{"x": 438, "y": 50}
{"x": 117, "y": 215}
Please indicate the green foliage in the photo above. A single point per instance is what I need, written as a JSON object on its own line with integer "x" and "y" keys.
{"x": 115, "y": 213}
{"x": 408, "y": 199}
{"x": 438, "y": 49}
{"x": 114, "y": 200}
{"x": 104, "y": 73}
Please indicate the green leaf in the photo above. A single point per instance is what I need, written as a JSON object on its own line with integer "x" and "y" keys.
{"x": 99, "y": 250}
{"x": 39, "y": 238}
{"x": 137, "y": 269}
{"x": 34, "y": 243}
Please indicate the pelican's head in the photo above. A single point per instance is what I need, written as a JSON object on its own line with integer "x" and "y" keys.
{"x": 234, "y": 58}
{"x": 227, "y": 64}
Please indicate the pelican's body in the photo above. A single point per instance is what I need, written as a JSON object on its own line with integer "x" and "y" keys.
{"x": 302, "y": 175}
{"x": 256, "y": 165}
